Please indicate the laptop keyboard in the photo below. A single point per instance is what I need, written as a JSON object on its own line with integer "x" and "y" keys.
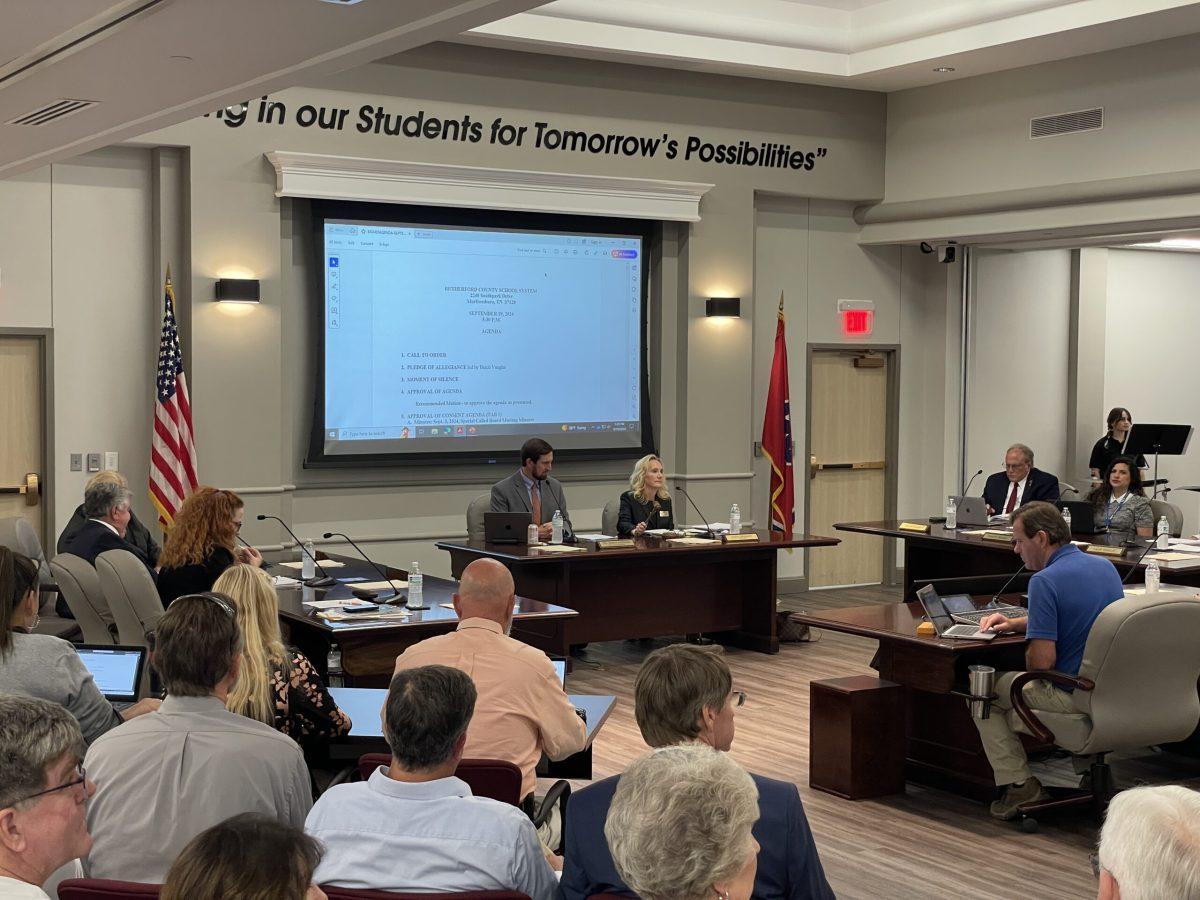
{"x": 981, "y": 614}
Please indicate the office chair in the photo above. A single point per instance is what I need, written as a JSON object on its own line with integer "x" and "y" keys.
{"x": 1174, "y": 514}
{"x": 18, "y": 535}
{"x": 79, "y": 585}
{"x": 131, "y": 595}
{"x": 103, "y": 889}
{"x": 1064, "y": 489}
{"x": 608, "y": 518}
{"x": 475, "y": 510}
{"x": 1137, "y": 687}
{"x": 341, "y": 893}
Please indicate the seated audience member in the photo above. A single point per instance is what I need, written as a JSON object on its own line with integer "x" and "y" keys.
{"x": 1112, "y": 445}
{"x": 684, "y": 695}
{"x": 1150, "y": 845}
{"x": 203, "y": 543}
{"x": 413, "y": 826}
{"x": 248, "y": 857}
{"x": 531, "y": 489}
{"x": 276, "y": 684}
{"x": 106, "y": 506}
{"x": 679, "y": 827}
{"x": 44, "y": 666}
{"x": 1068, "y": 590}
{"x": 165, "y": 777}
{"x": 1019, "y": 483}
{"x": 135, "y": 532}
{"x": 43, "y": 790}
{"x": 646, "y": 504}
{"x": 1120, "y": 504}
{"x": 522, "y": 710}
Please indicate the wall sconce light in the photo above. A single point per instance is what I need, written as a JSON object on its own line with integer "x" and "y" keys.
{"x": 237, "y": 290}
{"x": 730, "y": 307}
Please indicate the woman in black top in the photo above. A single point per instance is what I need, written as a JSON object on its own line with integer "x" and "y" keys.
{"x": 647, "y": 505}
{"x": 1112, "y": 444}
{"x": 203, "y": 543}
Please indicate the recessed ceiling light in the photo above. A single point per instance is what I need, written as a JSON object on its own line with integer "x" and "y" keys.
{"x": 942, "y": 70}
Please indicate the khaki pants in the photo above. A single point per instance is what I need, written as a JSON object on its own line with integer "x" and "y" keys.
{"x": 999, "y": 731}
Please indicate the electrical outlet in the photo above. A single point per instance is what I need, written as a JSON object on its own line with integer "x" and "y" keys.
{"x": 93, "y": 461}
{"x": 76, "y": 462}
{"x": 110, "y": 460}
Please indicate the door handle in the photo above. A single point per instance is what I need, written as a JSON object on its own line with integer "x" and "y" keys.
{"x": 815, "y": 466}
{"x": 30, "y": 486}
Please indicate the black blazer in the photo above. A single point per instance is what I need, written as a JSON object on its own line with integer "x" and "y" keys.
{"x": 633, "y": 512}
{"x": 1040, "y": 486}
{"x": 193, "y": 579}
{"x": 135, "y": 533}
{"x": 788, "y": 864}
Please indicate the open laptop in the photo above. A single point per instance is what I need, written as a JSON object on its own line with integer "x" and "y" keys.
{"x": 971, "y": 511}
{"x": 506, "y": 527}
{"x": 961, "y": 609}
{"x": 117, "y": 670}
{"x": 1083, "y": 517}
{"x": 943, "y": 621}
{"x": 560, "y": 669}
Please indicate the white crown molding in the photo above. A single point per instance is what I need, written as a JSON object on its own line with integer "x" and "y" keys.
{"x": 433, "y": 184}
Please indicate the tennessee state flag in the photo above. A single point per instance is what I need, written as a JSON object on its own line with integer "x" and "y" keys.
{"x": 777, "y": 435}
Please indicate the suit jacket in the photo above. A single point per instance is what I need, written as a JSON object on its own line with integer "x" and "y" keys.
{"x": 135, "y": 533}
{"x": 788, "y": 863}
{"x": 634, "y": 512}
{"x": 1039, "y": 486}
{"x": 511, "y": 495}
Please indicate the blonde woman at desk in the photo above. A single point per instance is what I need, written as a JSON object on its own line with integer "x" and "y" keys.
{"x": 1120, "y": 504}
{"x": 647, "y": 504}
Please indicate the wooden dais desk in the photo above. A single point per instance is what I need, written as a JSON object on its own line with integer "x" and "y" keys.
{"x": 654, "y": 589}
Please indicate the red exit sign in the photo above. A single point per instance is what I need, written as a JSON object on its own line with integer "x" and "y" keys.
{"x": 857, "y": 322}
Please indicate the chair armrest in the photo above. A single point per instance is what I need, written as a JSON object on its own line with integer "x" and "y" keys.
{"x": 1035, "y": 726}
{"x": 559, "y": 792}
{"x": 48, "y": 587}
{"x": 343, "y": 777}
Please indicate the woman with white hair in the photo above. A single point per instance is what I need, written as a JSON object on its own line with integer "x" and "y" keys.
{"x": 647, "y": 504}
{"x": 679, "y": 827}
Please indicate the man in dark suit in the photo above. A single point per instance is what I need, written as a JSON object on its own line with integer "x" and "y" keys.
{"x": 106, "y": 507}
{"x": 531, "y": 489}
{"x": 685, "y": 693}
{"x": 1019, "y": 483}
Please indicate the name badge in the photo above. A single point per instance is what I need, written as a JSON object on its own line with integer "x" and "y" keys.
{"x": 662, "y": 513}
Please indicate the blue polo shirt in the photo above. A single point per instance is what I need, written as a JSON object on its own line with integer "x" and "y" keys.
{"x": 1064, "y": 599}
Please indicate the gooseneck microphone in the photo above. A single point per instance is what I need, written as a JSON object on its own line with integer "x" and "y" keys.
{"x": 963, "y": 495}
{"x": 707, "y": 528}
{"x": 396, "y": 591}
{"x": 325, "y": 580}
{"x": 1133, "y": 568}
{"x": 1011, "y": 579}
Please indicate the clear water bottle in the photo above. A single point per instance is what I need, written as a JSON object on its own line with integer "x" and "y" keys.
{"x": 416, "y": 587}
{"x": 735, "y": 520}
{"x": 308, "y": 568}
{"x": 951, "y": 513}
{"x": 1164, "y": 533}
{"x": 556, "y": 528}
{"x": 1153, "y": 576}
{"x": 1066, "y": 514}
{"x": 333, "y": 667}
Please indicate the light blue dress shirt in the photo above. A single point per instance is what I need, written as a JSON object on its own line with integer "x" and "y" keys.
{"x": 426, "y": 837}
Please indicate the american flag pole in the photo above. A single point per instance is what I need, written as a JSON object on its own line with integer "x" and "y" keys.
{"x": 172, "y": 441}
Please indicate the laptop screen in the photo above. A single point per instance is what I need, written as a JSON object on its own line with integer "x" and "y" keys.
{"x": 560, "y": 669}
{"x": 932, "y": 604}
{"x": 116, "y": 670}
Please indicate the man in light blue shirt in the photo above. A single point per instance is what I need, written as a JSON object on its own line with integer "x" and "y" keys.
{"x": 414, "y": 827}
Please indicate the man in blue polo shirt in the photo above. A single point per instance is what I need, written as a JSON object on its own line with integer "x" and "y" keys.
{"x": 1066, "y": 595}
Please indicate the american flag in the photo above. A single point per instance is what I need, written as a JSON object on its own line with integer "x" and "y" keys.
{"x": 172, "y": 445}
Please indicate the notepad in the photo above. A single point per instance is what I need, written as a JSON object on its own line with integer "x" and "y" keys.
{"x": 692, "y": 541}
{"x": 558, "y": 548}
{"x": 324, "y": 563}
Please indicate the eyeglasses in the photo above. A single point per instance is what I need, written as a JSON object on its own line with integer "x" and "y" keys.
{"x": 82, "y": 779}
{"x": 1094, "y": 859}
{"x": 738, "y": 697}
{"x": 237, "y": 526}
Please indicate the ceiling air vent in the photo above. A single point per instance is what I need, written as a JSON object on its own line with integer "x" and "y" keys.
{"x": 52, "y": 112}
{"x": 1067, "y": 123}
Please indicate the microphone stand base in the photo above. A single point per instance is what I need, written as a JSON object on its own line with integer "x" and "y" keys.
{"x": 416, "y": 608}
{"x": 326, "y": 581}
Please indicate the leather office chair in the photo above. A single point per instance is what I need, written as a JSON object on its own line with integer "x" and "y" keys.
{"x": 80, "y": 586}
{"x": 1136, "y": 688}
{"x": 1064, "y": 489}
{"x": 1173, "y": 513}
{"x": 608, "y": 518}
{"x": 475, "y": 510}
{"x": 18, "y": 535}
{"x": 131, "y": 595}
{"x": 341, "y": 893}
{"x": 103, "y": 889}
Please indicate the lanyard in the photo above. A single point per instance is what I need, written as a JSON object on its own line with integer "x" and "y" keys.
{"x": 1110, "y": 512}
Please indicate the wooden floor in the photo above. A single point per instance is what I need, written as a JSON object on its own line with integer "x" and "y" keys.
{"x": 925, "y": 844}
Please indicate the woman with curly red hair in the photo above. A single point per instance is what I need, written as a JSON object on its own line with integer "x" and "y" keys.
{"x": 203, "y": 543}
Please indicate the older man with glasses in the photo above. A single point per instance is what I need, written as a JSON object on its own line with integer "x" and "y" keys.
{"x": 684, "y": 694}
{"x": 43, "y": 792}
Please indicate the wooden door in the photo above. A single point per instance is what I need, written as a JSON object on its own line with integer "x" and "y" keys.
{"x": 21, "y": 409}
{"x": 847, "y": 470}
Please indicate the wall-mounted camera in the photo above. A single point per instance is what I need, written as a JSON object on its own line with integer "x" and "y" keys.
{"x": 946, "y": 253}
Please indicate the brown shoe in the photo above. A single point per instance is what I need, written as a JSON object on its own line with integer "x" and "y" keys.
{"x": 1014, "y": 795}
